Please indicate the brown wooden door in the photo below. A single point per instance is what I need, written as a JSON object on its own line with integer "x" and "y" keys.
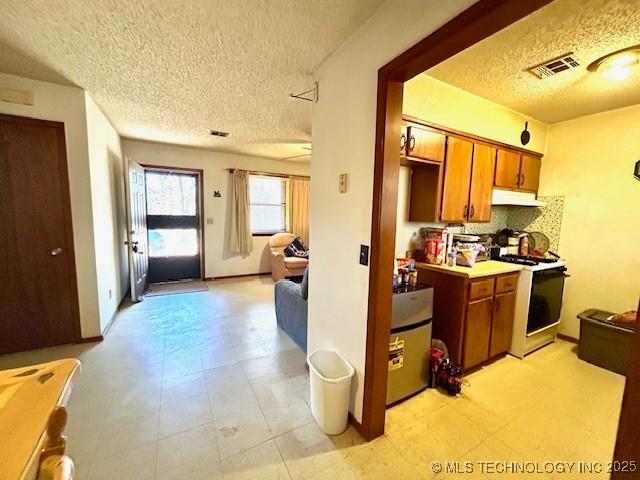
{"x": 477, "y": 333}
{"x": 530, "y": 172}
{"x": 137, "y": 233}
{"x": 425, "y": 144}
{"x": 457, "y": 180}
{"x": 484, "y": 162}
{"x": 507, "y": 169}
{"x": 502, "y": 327}
{"x": 38, "y": 289}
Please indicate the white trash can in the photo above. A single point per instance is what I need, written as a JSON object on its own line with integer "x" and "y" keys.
{"x": 331, "y": 376}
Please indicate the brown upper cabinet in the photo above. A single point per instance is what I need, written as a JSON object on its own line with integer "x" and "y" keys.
{"x": 530, "y": 172}
{"x": 453, "y": 173}
{"x": 457, "y": 179}
{"x": 484, "y": 162}
{"x": 468, "y": 181}
{"x": 517, "y": 171}
{"x": 424, "y": 144}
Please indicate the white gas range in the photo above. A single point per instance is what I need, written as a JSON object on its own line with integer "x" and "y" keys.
{"x": 538, "y": 304}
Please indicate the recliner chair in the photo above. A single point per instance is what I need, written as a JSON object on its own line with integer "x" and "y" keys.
{"x": 281, "y": 265}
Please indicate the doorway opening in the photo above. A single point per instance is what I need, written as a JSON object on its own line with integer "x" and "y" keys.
{"x": 174, "y": 224}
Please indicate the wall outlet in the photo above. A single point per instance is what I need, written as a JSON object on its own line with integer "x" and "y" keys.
{"x": 342, "y": 183}
{"x": 209, "y": 221}
{"x": 364, "y": 255}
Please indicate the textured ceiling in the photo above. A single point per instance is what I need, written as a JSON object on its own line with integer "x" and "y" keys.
{"x": 495, "y": 68}
{"x": 170, "y": 71}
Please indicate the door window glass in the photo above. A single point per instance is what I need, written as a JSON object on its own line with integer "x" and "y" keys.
{"x": 171, "y": 194}
{"x": 174, "y": 242}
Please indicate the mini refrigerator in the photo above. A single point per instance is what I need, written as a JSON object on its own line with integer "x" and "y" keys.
{"x": 409, "y": 342}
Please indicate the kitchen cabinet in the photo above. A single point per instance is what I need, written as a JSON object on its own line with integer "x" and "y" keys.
{"x": 453, "y": 173}
{"x": 468, "y": 181}
{"x": 425, "y": 144}
{"x": 502, "y": 323}
{"x": 457, "y": 180}
{"x": 472, "y": 316}
{"x": 477, "y": 333}
{"x": 530, "y": 172}
{"x": 507, "y": 169}
{"x": 484, "y": 161}
{"x": 517, "y": 170}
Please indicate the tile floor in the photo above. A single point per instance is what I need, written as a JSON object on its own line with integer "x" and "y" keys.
{"x": 203, "y": 386}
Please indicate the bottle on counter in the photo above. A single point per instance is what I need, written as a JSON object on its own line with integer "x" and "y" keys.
{"x": 452, "y": 257}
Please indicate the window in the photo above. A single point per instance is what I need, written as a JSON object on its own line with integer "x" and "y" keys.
{"x": 172, "y": 194}
{"x": 267, "y": 204}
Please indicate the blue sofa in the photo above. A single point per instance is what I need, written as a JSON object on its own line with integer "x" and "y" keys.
{"x": 291, "y": 309}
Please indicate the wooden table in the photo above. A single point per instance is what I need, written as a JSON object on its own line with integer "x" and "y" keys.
{"x": 32, "y": 419}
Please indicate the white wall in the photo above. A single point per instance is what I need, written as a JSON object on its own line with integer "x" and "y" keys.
{"x": 219, "y": 261}
{"x": 590, "y": 161}
{"x": 343, "y": 131}
{"x": 449, "y": 106}
{"x": 67, "y": 104}
{"x": 109, "y": 212}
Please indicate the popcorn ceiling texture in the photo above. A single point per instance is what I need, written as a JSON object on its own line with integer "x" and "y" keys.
{"x": 171, "y": 70}
{"x": 496, "y": 67}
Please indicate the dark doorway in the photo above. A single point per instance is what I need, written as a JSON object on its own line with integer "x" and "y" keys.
{"x": 174, "y": 224}
{"x": 38, "y": 288}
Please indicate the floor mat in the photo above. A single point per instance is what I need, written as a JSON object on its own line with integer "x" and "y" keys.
{"x": 157, "y": 289}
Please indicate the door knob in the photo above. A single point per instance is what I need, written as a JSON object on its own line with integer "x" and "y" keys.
{"x": 56, "y": 251}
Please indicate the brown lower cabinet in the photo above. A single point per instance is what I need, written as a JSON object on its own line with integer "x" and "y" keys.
{"x": 473, "y": 317}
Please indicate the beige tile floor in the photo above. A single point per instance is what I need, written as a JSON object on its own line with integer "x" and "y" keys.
{"x": 203, "y": 386}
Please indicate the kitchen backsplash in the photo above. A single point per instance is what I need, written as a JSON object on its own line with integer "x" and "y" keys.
{"x": 547, "y": 219}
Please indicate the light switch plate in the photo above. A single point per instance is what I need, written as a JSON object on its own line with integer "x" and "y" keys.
{"x": 342, "y": 183}
{"x": 364, "y": 255}
{"x": 209, "y": 221}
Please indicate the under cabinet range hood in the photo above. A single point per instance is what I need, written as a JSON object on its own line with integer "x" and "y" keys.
{"x": 509, "y": 197}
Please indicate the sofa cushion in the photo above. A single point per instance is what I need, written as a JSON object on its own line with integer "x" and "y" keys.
{"x": 295, "y": 263}
{"x": 304, "y": 285}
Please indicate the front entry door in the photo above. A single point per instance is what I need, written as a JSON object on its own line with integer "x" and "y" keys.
{"x": 173, "y": 220}
{"x": 137, "y": 232}
{"x": 38, "y": 288}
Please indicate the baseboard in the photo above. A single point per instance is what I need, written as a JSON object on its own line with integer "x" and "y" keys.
{"x": 239, "y": 276}
{"x": 97, "y": 338}
{"x": 567, "y": 338}
{"x": 357, "y": 425}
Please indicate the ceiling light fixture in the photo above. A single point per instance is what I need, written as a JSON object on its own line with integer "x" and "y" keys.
{"x": 617, "y": 65}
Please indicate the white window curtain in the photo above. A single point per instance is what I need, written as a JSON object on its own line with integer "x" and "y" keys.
{"x": 300, "y": 208}
{"x": 240, "y": 238}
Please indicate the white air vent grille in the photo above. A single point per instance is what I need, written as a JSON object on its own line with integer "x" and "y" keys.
{"x": 555, "y": 65}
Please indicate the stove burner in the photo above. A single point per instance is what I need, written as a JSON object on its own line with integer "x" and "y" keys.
{"x": 525, "y": 260}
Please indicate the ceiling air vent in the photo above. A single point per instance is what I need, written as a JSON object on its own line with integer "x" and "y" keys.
{"x": 218, "y": 133}
{"x": 555, "y": 65}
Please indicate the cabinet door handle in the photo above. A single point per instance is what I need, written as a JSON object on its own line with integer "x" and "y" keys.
{"x": 403, "y": 141}
{"x": 473, "y": 211}
{"x": 466, "y": 211}
{"x": 412, "y": 143}
{"x": 522, "y": 180}
{"x": 497, "y": 305}
{"x": 517, "y": 179}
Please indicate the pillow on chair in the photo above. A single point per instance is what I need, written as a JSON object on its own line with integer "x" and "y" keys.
{"x": 297, "y": 248}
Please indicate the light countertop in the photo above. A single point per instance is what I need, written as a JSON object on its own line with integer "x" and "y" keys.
{"x": 480, "y": 269}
